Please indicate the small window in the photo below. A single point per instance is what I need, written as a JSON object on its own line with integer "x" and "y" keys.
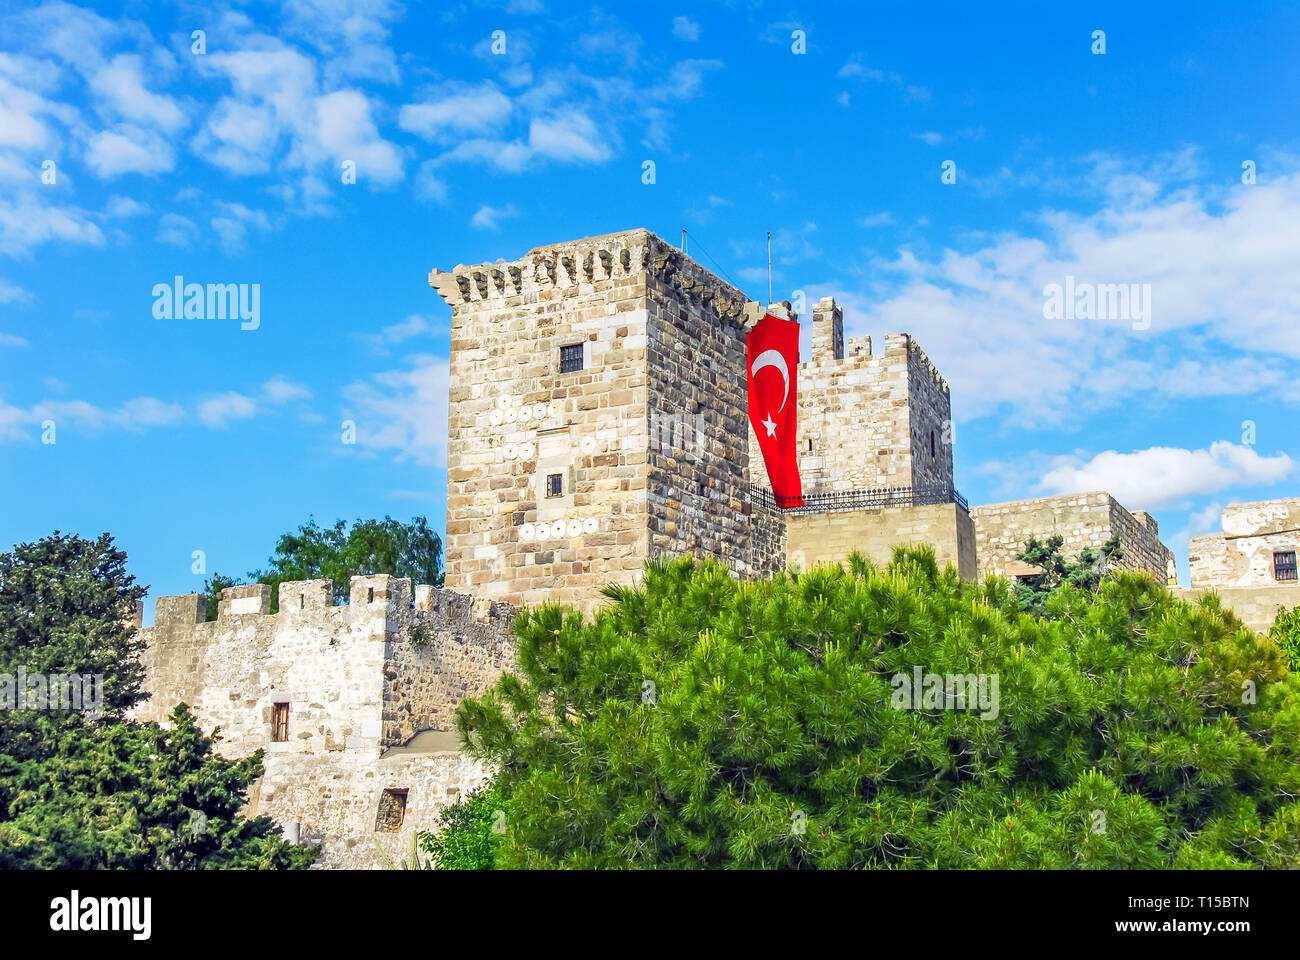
{"x": 571, "y": 358}
{"x": 392, "y": 811}
{"x": 280, "y": 722}
{"x": 1284, "y": 565}
{"x": 932, "y": 444}
{"x": 302, "y": 601}
{"x": 370, "y": 595}
{"x": 810, "y": 444}
{"x": 555, "y": 485}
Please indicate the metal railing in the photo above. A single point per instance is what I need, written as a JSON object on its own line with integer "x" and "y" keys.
{"x": 869, "y": 499}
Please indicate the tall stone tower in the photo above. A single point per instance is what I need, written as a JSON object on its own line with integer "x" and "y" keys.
{"x": 597, "y": 418}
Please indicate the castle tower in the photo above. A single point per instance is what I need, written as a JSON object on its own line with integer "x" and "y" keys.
{"x": 869, "y": 421}
{"x": 597, "y": 418}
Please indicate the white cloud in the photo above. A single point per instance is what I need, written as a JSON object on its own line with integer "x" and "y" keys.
{"x": 12, "y": 293}
{"x": 278, "y": 115}
{"x": 27, "y": 223}
{"x": 571, "y": 138}
{"x": 12, "y": 340}
{"x": 345, "y": 130}
{"x": 1160, "y": 476}
{"x": 856, "y": 69}
{"x": 122, "y": 208}
{"x": 457, "y": 108}
{"x": 176, "y": 231}
{"x": 148, "y": 412}
{"x": 1207, "y": 518}
{"x": 684, "y": 28}
{"x": 416, "y": 325}
{"x": 404, "y": 411}
{"x": 279, "y": 390}
{"x": 352, "y": 36}
{"x": 128, "y": 149}
{"x": 609, "y": 40}
{"x": 223, "y": 409}
{"x": 882, "y": 219}
{"x": 1220, "y": 264}
{"x": 489, "y": 218}
{"x": 120, "y": 85}
{"x": 134, "y": 415}
{"x": 428, "y": 185}
{"x": 232, "y": 222}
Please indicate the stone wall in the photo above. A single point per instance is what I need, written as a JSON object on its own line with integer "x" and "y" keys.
{"x": 818, "y": 538}
{"x": 696, "y": 363}
{"x": 929, "y": 422}
{"x": 448, "y": 651}
{"x": 360, "y": 680}
{"x": 1256, "y": 607}
{"x": 1084, "y": 520}
{"x": 768, "y": 537}
{"x": 1242, "y": 554}
{"x": 335, "y": 800}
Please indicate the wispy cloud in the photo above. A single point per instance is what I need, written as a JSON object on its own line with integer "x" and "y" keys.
{"x": 1218, "y": 262}
{"x": 1163, "y": 476}
{"x": 489, "y": 218}
{"x": 403, "y": 412}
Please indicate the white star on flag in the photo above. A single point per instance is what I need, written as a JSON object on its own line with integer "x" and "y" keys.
{"x": 771, "y": 427}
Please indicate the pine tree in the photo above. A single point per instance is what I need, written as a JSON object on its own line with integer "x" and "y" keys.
{"x": 699, "y": 721}
{"x": 85, "y": 789}
{"x": 1083, "y": 573}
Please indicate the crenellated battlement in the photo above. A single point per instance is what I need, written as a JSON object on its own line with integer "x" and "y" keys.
{"x": 867, "y": 419}
{"x": 589, "y": 266}
{"x": 364, "y": 675}
{"x": 353, "y": 704}
{"x": 297, "y": 598}
{"x": 917, "y": 357}
{"x": 831, "y": 351}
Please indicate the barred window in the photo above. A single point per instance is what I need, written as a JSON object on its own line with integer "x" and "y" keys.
{"x": 571, "y": 358}
{"x": 280, "y": 722}
{"x": 1284, "y": 565}
{"x": 555, "y": 485}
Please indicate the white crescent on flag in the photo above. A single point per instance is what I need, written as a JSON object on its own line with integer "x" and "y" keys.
{"x": 773, "y": 358}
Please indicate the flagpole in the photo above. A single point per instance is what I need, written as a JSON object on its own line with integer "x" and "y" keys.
{"x": 769, "y": 267}
{"x": 683, "y": 239}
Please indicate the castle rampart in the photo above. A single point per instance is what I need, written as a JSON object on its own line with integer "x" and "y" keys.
{"x": 327, "y": 691}
{"x": 1084, "y": 520}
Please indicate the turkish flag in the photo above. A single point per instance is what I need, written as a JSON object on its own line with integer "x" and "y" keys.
{"x": 772, "y": 361}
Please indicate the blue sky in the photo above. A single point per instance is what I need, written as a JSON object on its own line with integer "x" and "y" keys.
{"x": 225, "y": 166}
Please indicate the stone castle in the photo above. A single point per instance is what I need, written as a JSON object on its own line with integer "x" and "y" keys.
{"x": 598, "y": 418}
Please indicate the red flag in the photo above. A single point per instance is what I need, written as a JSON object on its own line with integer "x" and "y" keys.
{"x": 772, "y": 362}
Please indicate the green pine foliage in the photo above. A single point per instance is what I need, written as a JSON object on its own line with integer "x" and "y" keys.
{"x": 698, "y": 721}
{"x": 90, "y": 790}
{"x": 136, "y": 797}
{"x": 1084, "y": 573}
